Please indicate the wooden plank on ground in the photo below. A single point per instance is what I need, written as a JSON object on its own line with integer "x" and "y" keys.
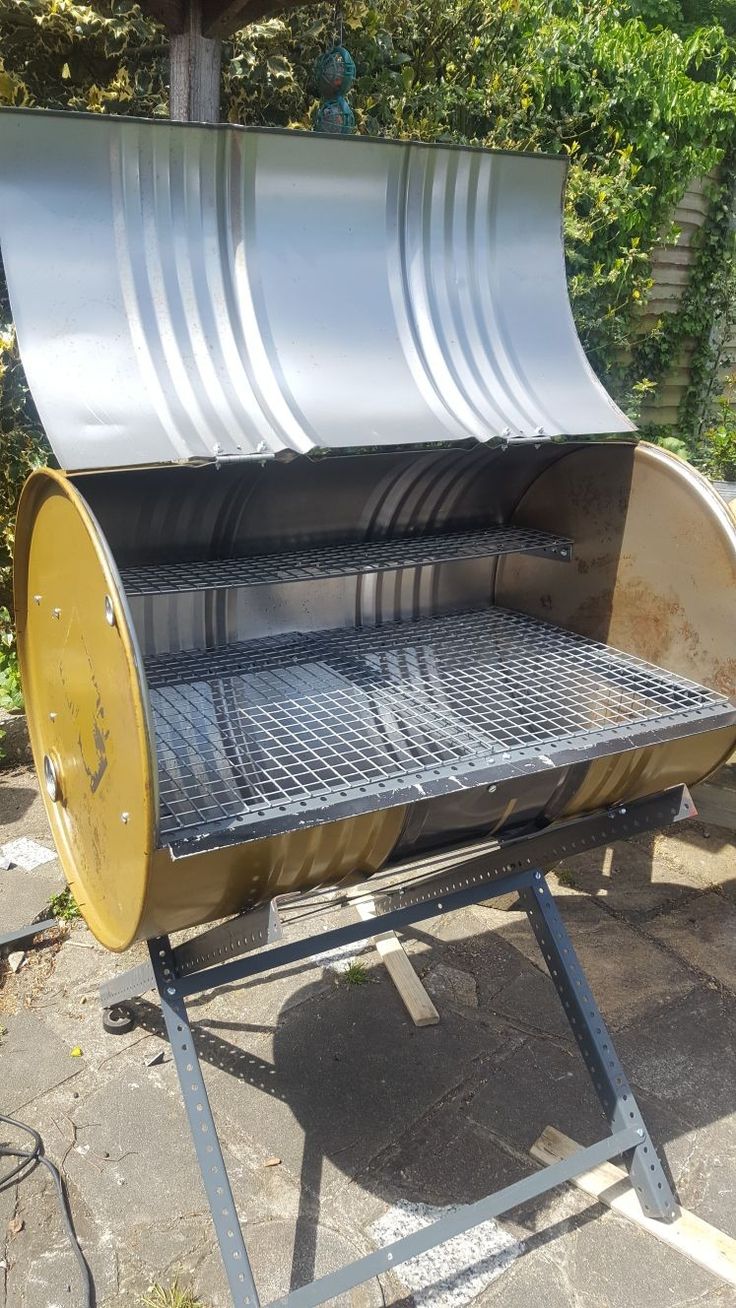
{"x": 609, "y": 1183}
{"x": 416, "y": 1001}
{"x": 716, "y": 805}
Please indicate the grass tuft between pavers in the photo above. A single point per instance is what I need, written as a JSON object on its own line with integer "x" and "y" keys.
{"x": 159, "y": 1296}
{"x": 355, "y": 975}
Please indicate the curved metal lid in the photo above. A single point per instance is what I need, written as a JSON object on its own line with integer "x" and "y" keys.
{"x": 184, "y": 292}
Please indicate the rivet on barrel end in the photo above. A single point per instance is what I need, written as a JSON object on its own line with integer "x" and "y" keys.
{"x": 51, "y": 779}
{"x": 125, "y": 817}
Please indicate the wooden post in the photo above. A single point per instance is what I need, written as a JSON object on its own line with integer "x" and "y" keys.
{"x": 194, "y": 94}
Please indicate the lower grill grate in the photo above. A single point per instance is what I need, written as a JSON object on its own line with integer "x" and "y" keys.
{"x": 270, "y": 735}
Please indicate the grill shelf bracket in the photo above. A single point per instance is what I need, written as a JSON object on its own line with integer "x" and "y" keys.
{"x": 512, "y": 867}
{"x": 320, "y": 562}
{"x": 254, "y": 739}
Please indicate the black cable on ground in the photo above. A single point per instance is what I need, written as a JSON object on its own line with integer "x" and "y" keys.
{"x": 28, "y": 1160}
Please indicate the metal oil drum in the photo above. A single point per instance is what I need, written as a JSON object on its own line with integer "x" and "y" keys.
{"x": 213, "y": 419}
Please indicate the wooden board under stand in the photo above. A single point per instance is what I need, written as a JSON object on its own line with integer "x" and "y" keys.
{"x": 609, "y": 1183}
{"x": 716, "y": 799}
{"x": 417, "y": 1002}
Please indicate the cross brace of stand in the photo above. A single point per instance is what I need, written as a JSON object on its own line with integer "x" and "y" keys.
{"x": 174, "y": 972}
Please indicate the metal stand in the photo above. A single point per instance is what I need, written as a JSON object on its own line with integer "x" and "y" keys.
{"x": 480, "y": 872}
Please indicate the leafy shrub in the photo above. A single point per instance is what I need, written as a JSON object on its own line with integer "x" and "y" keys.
{"x": 717, "y": 451}
{"x": 11, "y": 696}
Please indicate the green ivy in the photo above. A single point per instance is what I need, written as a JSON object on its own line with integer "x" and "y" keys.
{"x": 704, "y": 316}
{"x": 708, "y": 311}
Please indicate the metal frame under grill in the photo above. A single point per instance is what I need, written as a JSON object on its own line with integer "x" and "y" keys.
{"x": 227, "y": 954}
{"x": 258, "y": 737}
{"x": 343, "y": 560}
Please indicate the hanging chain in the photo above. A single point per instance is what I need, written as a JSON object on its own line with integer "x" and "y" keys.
{"x": 338, "y": 23}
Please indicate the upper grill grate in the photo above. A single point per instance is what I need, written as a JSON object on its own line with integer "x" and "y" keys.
{"x": 342, "y": 560}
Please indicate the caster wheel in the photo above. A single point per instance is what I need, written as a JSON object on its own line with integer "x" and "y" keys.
{"x": 118, "y": 1020}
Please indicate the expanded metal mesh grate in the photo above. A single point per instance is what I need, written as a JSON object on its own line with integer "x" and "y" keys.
{"x": 270, "y": 735}
{"x": 342, "y": 559}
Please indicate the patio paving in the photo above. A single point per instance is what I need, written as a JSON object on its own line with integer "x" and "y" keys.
{"x": 378, "y": 1124}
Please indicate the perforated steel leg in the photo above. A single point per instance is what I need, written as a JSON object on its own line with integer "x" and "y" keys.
{"x": 204, "y": 1131}
{"x": 596, "y": 1046}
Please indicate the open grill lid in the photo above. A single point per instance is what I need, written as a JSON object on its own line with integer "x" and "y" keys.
{"x": 187, "y": 293}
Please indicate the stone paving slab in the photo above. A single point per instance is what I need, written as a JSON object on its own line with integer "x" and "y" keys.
{"x": 640, "y": 877}
{"x": 285, "y": 1256}
{"x": 360, "y": 1043}
{"x": 33, "y": 1061}
{"x": 24, "y": 895}
{"x": 650, "y": 978}
{"x": 608, "y": 1263}
{"x": 533, "y": 1281}
{"x": 686, "y": 1056}
{"x": 466, "y": 940}
{"x": 703, "y": 931}
{"x": 430, "y": 1162}
{"x": 703, "y": 1162}
{"x": 42, "y": 1270}
{"x": 631, "y": 877}
{"x": 708, "y": 852}
{"x": 366, "y": 1112}
{"x": 22, "y": 811}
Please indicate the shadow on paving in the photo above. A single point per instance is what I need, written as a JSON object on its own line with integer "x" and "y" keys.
{"x": 446, "y": 1114}
{"x": 652, "y": 869}
{"x": 15, "y": 801}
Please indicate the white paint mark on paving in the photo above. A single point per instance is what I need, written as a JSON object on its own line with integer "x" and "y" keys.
{"x": 27, "y": 853}
{"x": 340, "y": 959}
{"x": 456, "y": 1272}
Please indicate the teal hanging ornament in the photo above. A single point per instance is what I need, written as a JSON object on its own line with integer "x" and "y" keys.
{"x": 334, "y": 116}
{"x": 334, "y": 73}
